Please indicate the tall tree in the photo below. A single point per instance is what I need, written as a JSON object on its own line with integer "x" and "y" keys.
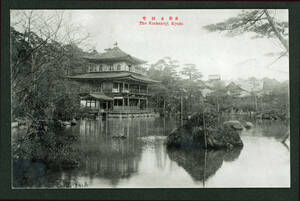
{"x": 258, "y": 21}
{"x": 39, "y": 55}
{"x": 166, "y": 94}
{"x": 191, "y": 71}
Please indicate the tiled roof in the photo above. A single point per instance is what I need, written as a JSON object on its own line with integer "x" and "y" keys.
{"x": 99, "y": 96}
{"x": 233, "y": 87}
{"x": 114, "y": 75}
{"x": 114, "y": 54}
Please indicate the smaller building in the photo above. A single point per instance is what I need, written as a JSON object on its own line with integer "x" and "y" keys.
{"x": 215, "y": 77}
{"x": 233, "y": 89}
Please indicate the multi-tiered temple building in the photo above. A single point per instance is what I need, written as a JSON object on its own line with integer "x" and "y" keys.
{"x": 115, "y": 83}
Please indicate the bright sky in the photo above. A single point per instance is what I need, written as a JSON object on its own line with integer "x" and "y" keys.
{"x": 213, "y": 53}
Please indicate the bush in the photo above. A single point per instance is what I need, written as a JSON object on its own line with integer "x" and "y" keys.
{"x": 40, "y": 144}
{"x": 66, "y": 108}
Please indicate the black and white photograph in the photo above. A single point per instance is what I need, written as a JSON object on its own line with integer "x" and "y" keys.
{"x": 150, "y": 98}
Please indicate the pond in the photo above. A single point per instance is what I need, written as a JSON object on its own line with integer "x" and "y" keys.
{"x": 140, "y": 158}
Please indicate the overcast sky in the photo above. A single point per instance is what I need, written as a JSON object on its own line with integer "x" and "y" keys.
{"x": 213, "y": 53}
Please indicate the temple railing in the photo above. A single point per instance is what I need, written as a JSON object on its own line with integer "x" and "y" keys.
{"x": 131, "y": 108}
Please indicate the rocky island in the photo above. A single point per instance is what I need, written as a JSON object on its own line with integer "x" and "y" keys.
{"x": 204, "y": 130}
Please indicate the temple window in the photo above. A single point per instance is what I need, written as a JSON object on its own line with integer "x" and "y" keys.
{"x": 116, "y": 87}
{"x": 126, "y": 88}
{"x": 101, "y": 68}
{"x": 92, "y": 104}
{"x": 88, "y": 103}
{"x": 119, "y": 67}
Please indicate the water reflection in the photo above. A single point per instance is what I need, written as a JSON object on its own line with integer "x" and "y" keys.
{"x": 202, "y": 164}
{"x": 140, "y": 159}
{"x": 107, "y": 156}
{"x": 272, "y": 129}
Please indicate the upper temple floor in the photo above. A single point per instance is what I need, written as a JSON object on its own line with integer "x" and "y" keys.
{"x": 114, "y": 66}
{"x": 114, "y": 59}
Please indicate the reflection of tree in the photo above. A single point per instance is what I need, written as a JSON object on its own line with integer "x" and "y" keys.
{"x": 201, "y": 164}
{"x": 275, "y": 129}
{"x": 108, "y": 157}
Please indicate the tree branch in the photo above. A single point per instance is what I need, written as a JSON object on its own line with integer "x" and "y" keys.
{"x": 275, "y": 30}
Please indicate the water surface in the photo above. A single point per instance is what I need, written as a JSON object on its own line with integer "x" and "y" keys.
{"x": 141, "y": 160}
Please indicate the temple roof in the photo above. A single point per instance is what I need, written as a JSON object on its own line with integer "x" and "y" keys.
{"x": 99, "y": 96}
{"x": 114, "y": 54}
{"x": 233, "y": 87}
{"x": 113, "y": 75}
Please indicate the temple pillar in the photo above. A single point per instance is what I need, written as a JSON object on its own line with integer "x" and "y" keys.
{"x": 139, "y": 89}
{"x": 147, "y": 103}
{"x": 139, "y": 103}
{"x": 123, "y": 102}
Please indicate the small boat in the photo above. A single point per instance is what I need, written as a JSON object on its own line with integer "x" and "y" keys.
{"x": 119, "y": 136}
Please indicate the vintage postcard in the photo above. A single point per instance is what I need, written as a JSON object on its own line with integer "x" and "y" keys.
{"x": 142, "y": 98}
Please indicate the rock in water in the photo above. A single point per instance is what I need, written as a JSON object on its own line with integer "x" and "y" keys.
{"x": 174, "y": 140}
{"x": 234, "y": 124}
{"x": 67, "y": 123}
{"x": 247, "y": 124}
{"x": 226, "y": 136}
{"x": 73, "y": 122}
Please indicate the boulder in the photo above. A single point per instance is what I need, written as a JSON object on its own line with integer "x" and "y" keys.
{"x": 67, "y": 123}
{"x": 223, "y": 137}
{"x": 233, "y": 124}
{"x": 174, "y": 140}
{"x": 73, "y": 122}
{"x": 247, "y": 124}
{"x": 193, "y": 134}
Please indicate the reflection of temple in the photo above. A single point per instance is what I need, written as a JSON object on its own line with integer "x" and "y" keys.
{"x": 106, "y": 157}
{"x": 201, "y": 164}
{"x": 113, "y": 159}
